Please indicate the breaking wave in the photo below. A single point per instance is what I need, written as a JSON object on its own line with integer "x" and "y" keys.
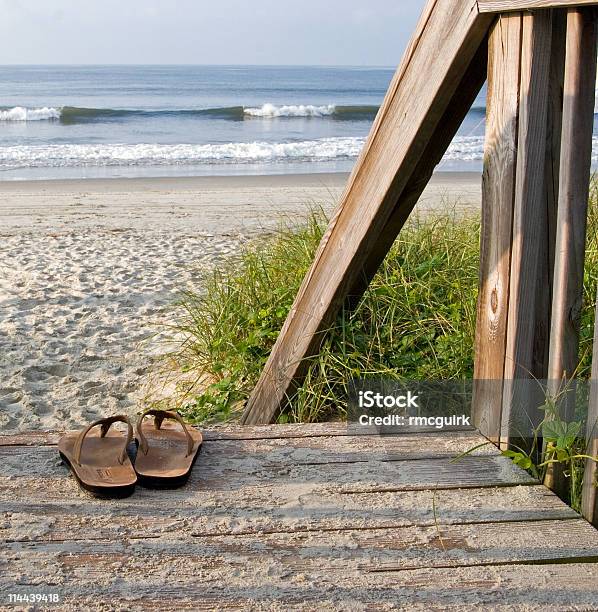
{"x": 471, "y": 149}
{"x": 75, "y": 114}
{"x": 462, "y": 149}
{"x": 81, "y": 155}
{"x": 20, "y": 113}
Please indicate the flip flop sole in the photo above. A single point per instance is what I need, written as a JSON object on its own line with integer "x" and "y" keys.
{"x": 99, "y": 472}
{"x": 166, "y": 482}
{"x": 108, "y": 492}
{"x": 166, "y": 465}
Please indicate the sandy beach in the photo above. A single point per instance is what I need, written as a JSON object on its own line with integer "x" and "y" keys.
{"x": 90, "y": 272}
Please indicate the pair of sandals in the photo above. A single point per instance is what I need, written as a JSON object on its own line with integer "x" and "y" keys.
{"x": 100, "y": 462}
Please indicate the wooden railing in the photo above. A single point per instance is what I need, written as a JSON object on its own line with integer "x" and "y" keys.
{"x": 540, "y": 60}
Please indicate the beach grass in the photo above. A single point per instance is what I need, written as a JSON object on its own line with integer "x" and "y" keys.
{"x": 416, "y": 321}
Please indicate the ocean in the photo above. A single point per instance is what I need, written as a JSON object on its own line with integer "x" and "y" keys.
{"x": 139, "y": 121}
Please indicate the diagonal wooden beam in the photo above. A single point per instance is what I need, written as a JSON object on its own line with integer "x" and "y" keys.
{"x": 504, "y": 6}
{"x": 449, "y": 36}
{"x": 460, "y": 105}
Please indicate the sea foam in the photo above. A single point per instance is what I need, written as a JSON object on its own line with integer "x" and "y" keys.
{"x": 471, "y": 149}
{"x": 81, "y": 155}
{"x": 21, "y": 113}
{"x": 462, "y": 149}
{"x": 292, "y": 110}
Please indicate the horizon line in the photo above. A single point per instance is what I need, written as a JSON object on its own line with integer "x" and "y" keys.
{"x": 380, "y": 66}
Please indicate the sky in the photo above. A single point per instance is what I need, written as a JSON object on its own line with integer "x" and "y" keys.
{"x": 323, "y": 32}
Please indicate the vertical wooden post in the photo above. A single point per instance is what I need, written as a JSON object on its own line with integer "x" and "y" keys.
{"x": 526, "y": 354}
{"x": 498, "y": 191}
{"x": 554, "y": 130}
{"x": 589, "y": 497}
{"x": 520, "y": 186}
{"x": 576, "y": 157}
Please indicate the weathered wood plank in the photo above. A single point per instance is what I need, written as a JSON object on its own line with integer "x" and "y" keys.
{"x": 510, "y": 587}
{"x": 528, "y": 322}
{"x": 249, "y": 484}
{"x": 451, "y": 35}
{"x": 468, "y": 89}
{"x": 285, "y": 509}
{"x": 218, "y": 558}
{"x": 503, "y": 6}
{"x": 554, "y": 128}
{"x": 283, "y": 452}
{"x": 247, "y": 432}
{"x": 576, "y": 158}
{"x": 498, "y": 189}
{"x": 346, "y": 449}
{"x": 259, "y": 526}
{"x": 589, "y": 503}
{"x": 46, "y": 478}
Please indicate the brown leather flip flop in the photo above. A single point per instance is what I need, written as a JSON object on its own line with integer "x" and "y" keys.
{"x": 165, "y": 454}
{"x": 100, "y": 462}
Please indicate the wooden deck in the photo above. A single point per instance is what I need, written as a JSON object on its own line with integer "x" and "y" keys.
{"x": 280, "y": 517}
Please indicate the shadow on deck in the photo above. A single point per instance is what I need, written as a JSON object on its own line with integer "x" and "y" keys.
{"x": 298, "y": 516}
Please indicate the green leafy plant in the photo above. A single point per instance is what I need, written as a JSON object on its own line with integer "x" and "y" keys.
{"x": 216, "y": 402}
{"x": 554, "y": 442}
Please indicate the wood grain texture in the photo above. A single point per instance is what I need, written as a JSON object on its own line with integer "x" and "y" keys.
{"x": 331, "y": 522}
{"x": 498, "y": 192}
{"x": 263, "y": 510}
{"x": 526, "y": 356}
{"x": 234, "y": 432}
{"x": 362, "y": 550}
{"x": 576, "y": 158}
{"x": 468, "y": 89}
{"x": 319, "y": 449}
{"x": 503, "y": 6}
{"x": 589, "y": 505}
{"x": 449, "y": 37}
{"x": 53, "y": 480}
{"x": 553, "y": 588}
{"x": 554, "y": 126}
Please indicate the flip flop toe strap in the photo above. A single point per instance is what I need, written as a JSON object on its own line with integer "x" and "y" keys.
{"x": 105, "y": 426}
{"x": 159, "y": 416}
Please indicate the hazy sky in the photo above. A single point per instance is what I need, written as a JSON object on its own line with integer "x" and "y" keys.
{"x": 206, "y": 31}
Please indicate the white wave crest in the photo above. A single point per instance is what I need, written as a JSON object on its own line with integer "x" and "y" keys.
{"x": 300, "y": 110}
{"x": 71, "y": 155}
{"x": 465, "y": 148}
{"x": 20, "y": 113}
{"x": 462, "y": 149}
{"x": 471, "y": 149}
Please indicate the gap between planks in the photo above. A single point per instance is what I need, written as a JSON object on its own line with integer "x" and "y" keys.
{"x": 247, "y": 432}
{"x": 550, "y": 561}
{"x": 405, "y": 548}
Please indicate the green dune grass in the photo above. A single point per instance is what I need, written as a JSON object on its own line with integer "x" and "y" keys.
{"x": 416, "y": 321}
